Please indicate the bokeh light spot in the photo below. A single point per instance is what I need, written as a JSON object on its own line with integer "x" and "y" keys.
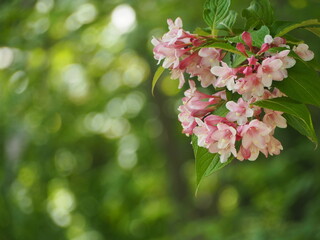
{"x": 6, "y": 57}
{"x": 123, "y": 17}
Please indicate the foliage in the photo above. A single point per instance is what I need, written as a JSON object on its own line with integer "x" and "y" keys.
{"x": 257, "y": 59}
{"x": 68, "y": 170}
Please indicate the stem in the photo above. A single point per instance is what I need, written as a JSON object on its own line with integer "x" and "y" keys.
{"x": 214, "y": 32}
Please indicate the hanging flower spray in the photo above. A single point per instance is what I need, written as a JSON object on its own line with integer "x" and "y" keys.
{"x": 260, "y": 79}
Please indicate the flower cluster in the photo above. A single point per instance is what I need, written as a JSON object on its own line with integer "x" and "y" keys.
{"x": 244, "y": 130}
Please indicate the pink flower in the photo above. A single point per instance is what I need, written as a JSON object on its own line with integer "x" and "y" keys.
{"x": 170, "y": 54}
{"x": 176, "y": 25}
{"x": 226, "y": 76}
{"x": 249, "y": 86}
{"x": 274, "y": 119}
{"x": 176, "y": 73}
{"x": 302, "y": 50}
{"x": 188, "y": 122}
{"x": 269, "y": 70}
{"x": 195, "y": 104}
{"x": 274, "y": 146}
{"x": 251, "y": 153}
{"x": 175, "y": 31}
{"x": 210, "y": 57}
{"x": 199, "y": 64}
{"x": 256, "y": 133}
{"x": 198, "y": 103}
{"x": 205, "y": 129}
{"x": 255, "y": 137}
{"x": 217, "y": 136}
{"x": 239, "y": 111}
{"x": 287, "y": 61}
{"x": 276, "y": 93}
{"x": 268, "y": 39}
{"x": 173, "y": 46}
{"x": 276, "y": 42}
{"x": 224, "y": 139}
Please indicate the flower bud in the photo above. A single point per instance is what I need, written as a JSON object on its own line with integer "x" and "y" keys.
{"x": 246, "y": 36}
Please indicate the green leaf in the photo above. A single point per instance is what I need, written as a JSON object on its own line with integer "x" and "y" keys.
{"x": 302, "y": 84}
{"x": 202, "y": 31}
{"x": 215, "y": 11}
{"x": 238, "y": 60}
{"x": 225, "y": 46}
{"x": 257, "y": 36}
{"x": 297, "y": 114}
{"x": 301, "y": 126}
{"x": 156, "y": 77}
{"x": 206, "y": 163}
{"x": 228, "y": 57}
{"x": 314, "y": 30}
{"x": 292, "y": 40}
{"x": 281, "y": 28}
{"x": 228, "y": 22}
{"x": 259, "y": 13}
{"x": 222, "y": 110}
{"x": 315, "y": 64}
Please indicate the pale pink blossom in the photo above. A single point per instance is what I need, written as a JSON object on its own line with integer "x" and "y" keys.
{"x": 302, "y": 50}
{"x": 276, "y": 42}
{"x": 205, "y": 129}
{"x": 198, "y": 103}
{"x": 210, "y": 57}
{"x": 268, "y": 39}
{"x": 251, "y": 153}
{"x": 217, "y": 136}
{"x": 224, "y": 139}
{"x": 177, "y": 73}
{"x": 173, "y": 46}
{"x": 239, "y": 111}
{"x": 288, "y": 62}
{"x": 255, "y": 137}
{"x": 274, "y": 146}
{"x": 269, "y": 70}
{"x": 256, "y": 133}
{"x": 177, "y": 24}
{"x": 226, "y": 76}
{"x": 276, "y": 93}
{"x": 249, "y": 86}
{"x": 188, "y": 122}
{"x": 195, "y": 105}
{"x": 206, "y": 78}
{"x": 176, "y": 33}
{"x": 199, "y": 66}
{"x": 170, "y": 54}
{"x": 274, "y": 119}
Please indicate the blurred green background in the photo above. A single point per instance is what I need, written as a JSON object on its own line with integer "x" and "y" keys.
{"x": 87, "y": 153}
